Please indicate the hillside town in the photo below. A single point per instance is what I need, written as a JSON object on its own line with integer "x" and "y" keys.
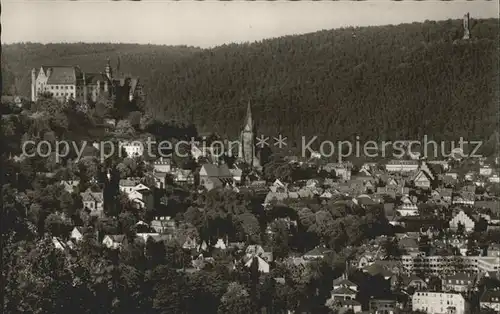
{"x": 96, "y": 219}
{"x": 432, "y": 244}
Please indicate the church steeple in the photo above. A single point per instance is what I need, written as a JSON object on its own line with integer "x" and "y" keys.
{"x": 248, "y": 120}
{"x": 247, "y": 149}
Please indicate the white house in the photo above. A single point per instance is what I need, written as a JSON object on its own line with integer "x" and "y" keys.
{"x": 485, "y": 171}
{"x": 220, "y": 244}
{"x": 398, "y": 165}
{"x": 408, "y": 204}
{"x": 162, "y": 165}
{"x": 263, "y": 266}
{"x": 76, "y": 234}
{"x": 491, "y": 300}
{"x": 113, "y": 241}
{"x": 133, "y": 148}
{"x": 70, "y": 185}
{"x": 134, "y": 191}
{"x": 422, "y": 180}
{"x": 439, "y": 302}
{"x": 464, "y": 219}
{"x": 494, "y": 179}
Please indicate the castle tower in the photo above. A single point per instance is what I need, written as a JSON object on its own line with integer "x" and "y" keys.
{"x": 108, "y": 70}
{"x": 247, "y": 148}
{"x": 466, "y": 27}
{"x": 84, "y": 89}
{"x": 33, "y": 84}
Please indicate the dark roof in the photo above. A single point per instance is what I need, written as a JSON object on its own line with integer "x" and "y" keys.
{"x": 62, "y": 74}
{"x": 491, "y": 296}
{"x": 343, "y": 290}
{"x": 408, "y": 279}
{"x": 460, "y": 276}
{"x": 92, "y": 78}
{"x": 217, "y": 171}
{"x": 117, "y": 237}
{"x": 343, "y": 282}
{"x": 132, "y": 82}
{"x": 348, "y": 302}
{"x": 408, "y": 243}
{"x": 318, "y": 251}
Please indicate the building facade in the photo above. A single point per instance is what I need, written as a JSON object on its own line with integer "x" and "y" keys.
{"x": 402, "y": 165}
{"x": 462, "y": 218}
{"x": 70, "y": 82}
{"x": 439, "y": 303}
{"x": 439, "y": 265}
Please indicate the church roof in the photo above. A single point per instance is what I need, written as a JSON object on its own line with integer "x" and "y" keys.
{"x": 217, "y": 171}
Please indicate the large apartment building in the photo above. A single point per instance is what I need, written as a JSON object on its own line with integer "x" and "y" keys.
{"x": 438, "y": 265}
{"x": 70, "y": 82}
{"x": 440, "y": 303}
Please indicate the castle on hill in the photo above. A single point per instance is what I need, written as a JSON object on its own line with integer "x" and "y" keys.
{"x": 70, "y": 82}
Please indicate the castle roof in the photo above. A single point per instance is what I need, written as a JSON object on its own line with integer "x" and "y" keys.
{"x": 92, "y": 78}
{"x": 62, "y": 74}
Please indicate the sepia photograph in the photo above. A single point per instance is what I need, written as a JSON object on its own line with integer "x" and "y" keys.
{"x": 250, "y": 157}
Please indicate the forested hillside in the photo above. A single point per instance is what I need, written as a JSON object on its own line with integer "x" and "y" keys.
{"x": 387, "y": 82}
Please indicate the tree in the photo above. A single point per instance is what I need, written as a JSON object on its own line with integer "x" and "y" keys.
{"x": 40, "y": 280}
{"x": 56, "y": 226}
{"x": 171, "y": 291}
{"x": 279, "y": 240}
{"x": 236, "y": 300}
{"x": 460, "y": 229}
{"x": 472, "y": 247}
{"x": 250, "y": 227}
{"x": 392, "y": 249}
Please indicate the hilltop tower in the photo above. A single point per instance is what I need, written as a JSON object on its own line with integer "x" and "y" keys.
{"x": 466, "y": 27}
{"x": 108, "y": 70}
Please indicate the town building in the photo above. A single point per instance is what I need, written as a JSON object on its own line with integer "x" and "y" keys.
{"x": 70, "y": 82}
{"x": 132, "y": 148}
{"x": 449, "y": 264}
{"x": 215, "y": 176}
{"x": 163, "y": 165}
{"x": 93, "y": 201}
{"x": 440, "y": 302}
{"x": 464, "y": 219}
{"x": 399, "y": 165}
{"x": 459, "y": 282}
{"x": 491, "y": 300}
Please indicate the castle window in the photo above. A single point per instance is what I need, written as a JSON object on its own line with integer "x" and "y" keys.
{"x": 65, "y": 87}
{"x": 71, "y": 87}
{"x": 57, "y": 86}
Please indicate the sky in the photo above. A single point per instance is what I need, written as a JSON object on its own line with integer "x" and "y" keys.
{"x": 211, "y": 23}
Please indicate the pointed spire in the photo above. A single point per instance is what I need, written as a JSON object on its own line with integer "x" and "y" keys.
{"x": 248, "y": 119}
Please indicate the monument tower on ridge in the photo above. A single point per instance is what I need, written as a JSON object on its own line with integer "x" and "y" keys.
{"x": 466, "y": 27}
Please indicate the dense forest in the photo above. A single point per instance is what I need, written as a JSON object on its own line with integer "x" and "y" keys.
{"x": 384, "y": 82}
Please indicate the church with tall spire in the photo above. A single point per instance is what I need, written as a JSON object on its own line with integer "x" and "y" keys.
{"x": 247, "y": 145}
